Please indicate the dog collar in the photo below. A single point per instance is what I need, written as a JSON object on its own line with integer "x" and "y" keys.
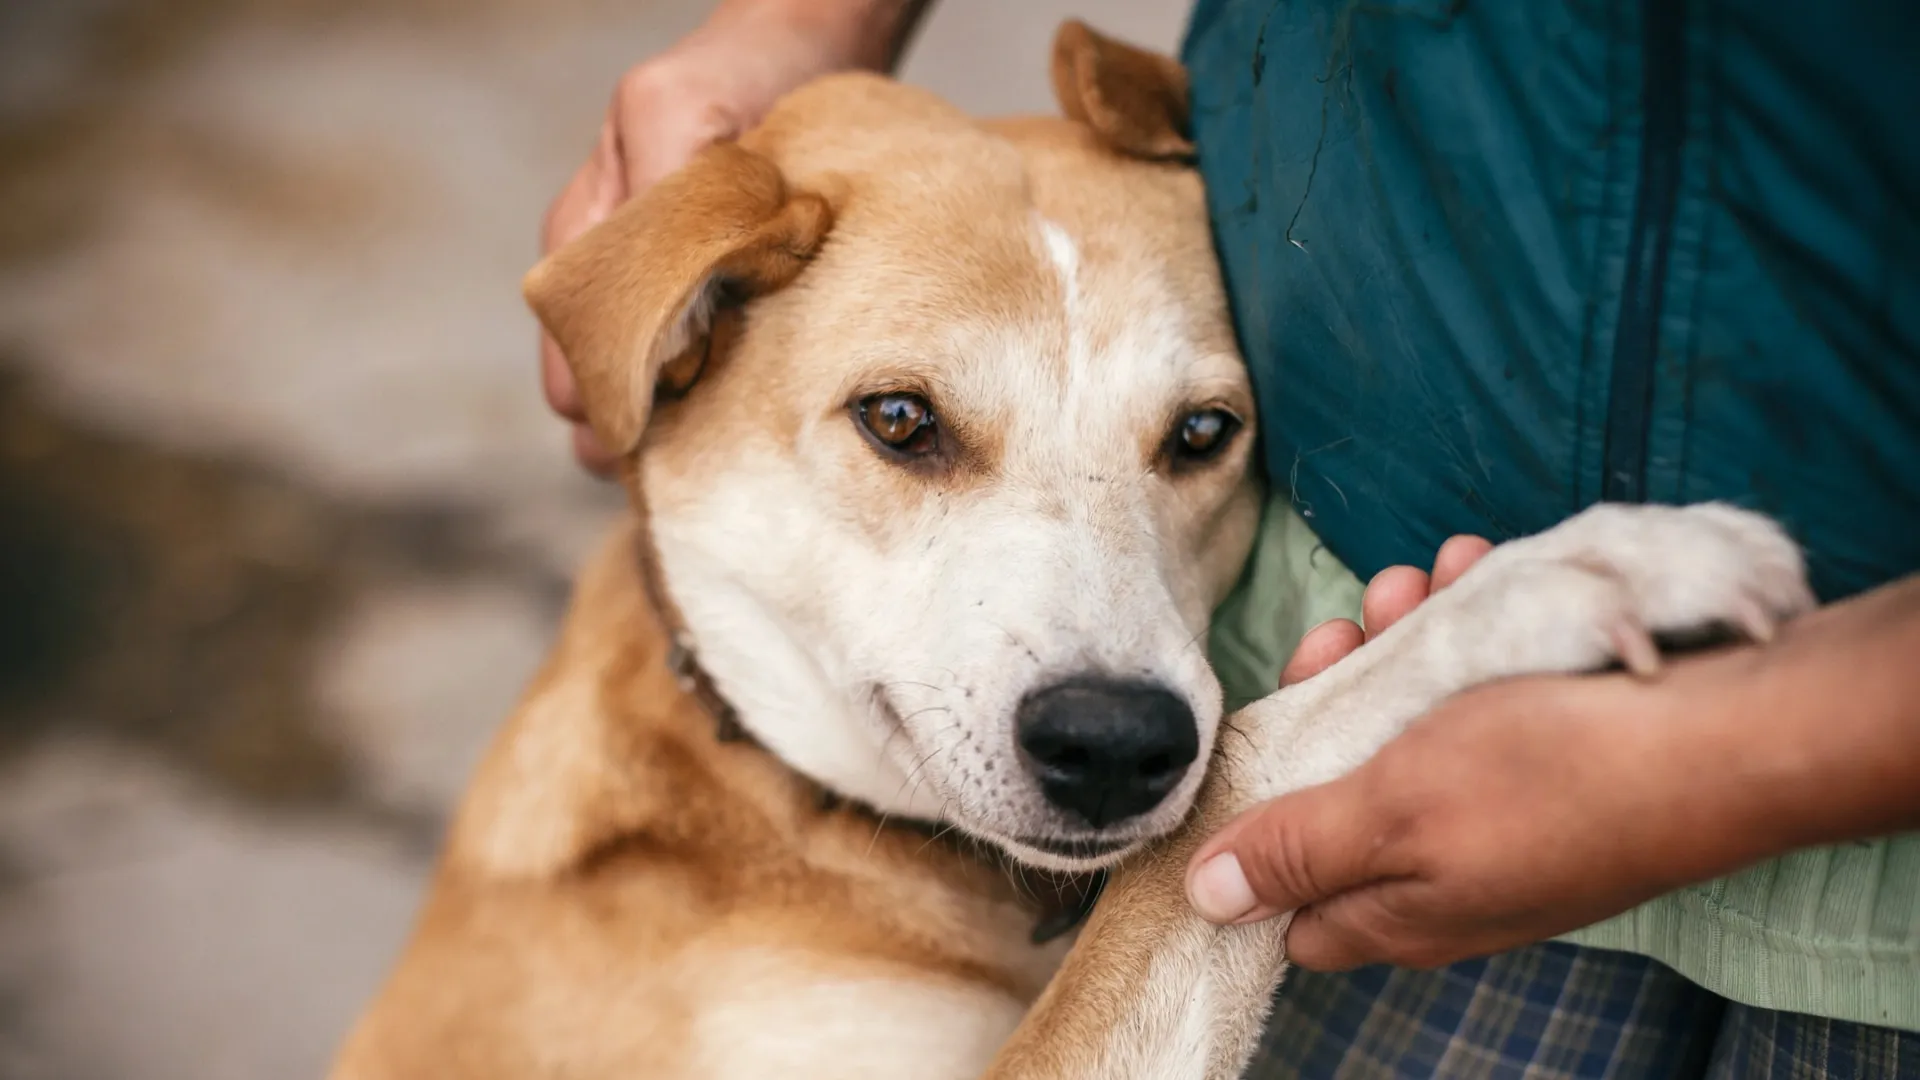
{"x": 1077, "y": 895}
{"x": 695, "y": 681}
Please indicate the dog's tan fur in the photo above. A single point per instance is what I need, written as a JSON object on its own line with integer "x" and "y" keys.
{"x": 617, "y": 873}
{"x": 625, "y": 894}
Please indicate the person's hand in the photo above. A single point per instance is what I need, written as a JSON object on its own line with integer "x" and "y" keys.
{"x": 1512, "y": 813}
{"x": 1390, "y": 595}
{"x": 713, "y": 85}
{"x": 1529, "y": 808}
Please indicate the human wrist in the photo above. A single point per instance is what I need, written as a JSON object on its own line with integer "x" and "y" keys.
{"x": 835, "y": 34}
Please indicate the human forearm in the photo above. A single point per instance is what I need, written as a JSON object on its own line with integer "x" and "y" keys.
{"x": 1834, "y": 707}
{"x": 1752, "y": 753}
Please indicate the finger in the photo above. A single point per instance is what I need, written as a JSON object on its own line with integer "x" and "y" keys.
{"x": 1321, "y": 648}
{"x": 1318, "y": 942}
{"x": 1455, "y": 557}
{"x": 1283, "y": 855}
{"x": 580, "y": 206}
{"x": 1390, "y": 595}
{"x": 1339, "y": 934}
{"x": 1362, "y": 927}
{"x": 592, "y": 456}
{"x": 556, "y": 382}
{"x": 1379, "y": 923}
{"x": 613, "y": 180}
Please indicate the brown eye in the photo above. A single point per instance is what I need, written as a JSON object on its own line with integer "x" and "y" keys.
{"x": 1201, "y": 435}
{"x": 902, "y": 425}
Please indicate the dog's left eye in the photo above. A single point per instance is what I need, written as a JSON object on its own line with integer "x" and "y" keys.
{"x": 1201, "y": 435}
{"x": 902, "y": 425}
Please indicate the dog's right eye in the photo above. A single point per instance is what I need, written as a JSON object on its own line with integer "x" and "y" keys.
{"x": 900, "y": 425}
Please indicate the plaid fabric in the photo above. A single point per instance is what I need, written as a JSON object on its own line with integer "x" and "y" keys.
{"x": 1789, "y": 1046}
{"x": 1555, "y": 1012}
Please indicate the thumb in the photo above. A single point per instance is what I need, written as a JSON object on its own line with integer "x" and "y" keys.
{"x": 1283, "y": 855}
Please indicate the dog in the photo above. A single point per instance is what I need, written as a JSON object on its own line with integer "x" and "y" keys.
{"x": 939, "y": 446}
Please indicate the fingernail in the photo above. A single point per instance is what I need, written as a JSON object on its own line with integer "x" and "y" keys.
{"x": 1219, "y": 890}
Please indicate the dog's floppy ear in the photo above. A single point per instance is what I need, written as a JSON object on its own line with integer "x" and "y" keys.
{"x": 630, "y": 303}
{"x": 1135, "y": 100}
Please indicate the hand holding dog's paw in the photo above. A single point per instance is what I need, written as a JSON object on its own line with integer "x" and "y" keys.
{"x": 1530, "y": 808}
{"x": 1523, "y": 809}
{"x": 1512, "y": 813}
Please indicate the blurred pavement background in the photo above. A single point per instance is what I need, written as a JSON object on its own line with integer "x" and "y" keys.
{"x": 284, "y": 524}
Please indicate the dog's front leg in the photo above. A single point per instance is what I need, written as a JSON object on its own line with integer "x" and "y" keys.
{"x": 1152, "y": 991}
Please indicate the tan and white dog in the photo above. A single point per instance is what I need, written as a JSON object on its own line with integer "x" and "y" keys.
{"x": 939, "y": 442}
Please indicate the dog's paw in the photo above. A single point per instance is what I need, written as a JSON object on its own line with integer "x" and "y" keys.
{"x": 1607, "y": 585}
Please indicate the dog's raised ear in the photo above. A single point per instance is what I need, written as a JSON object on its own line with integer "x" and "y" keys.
{"x": 1135, "y": 100}
{"x": 631, "y": 302}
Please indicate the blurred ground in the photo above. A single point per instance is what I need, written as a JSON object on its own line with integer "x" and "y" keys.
{"x": 283, "y": 523}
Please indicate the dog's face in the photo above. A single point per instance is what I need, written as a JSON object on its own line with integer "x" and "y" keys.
{"x": 951, "y": 499}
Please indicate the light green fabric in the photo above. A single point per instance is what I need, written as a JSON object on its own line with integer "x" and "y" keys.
{"x": 1291, "y": 585}
{"x": 1830, "y": 931}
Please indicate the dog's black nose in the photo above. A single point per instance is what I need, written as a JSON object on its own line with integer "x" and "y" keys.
{"x": 1106, "y": 750}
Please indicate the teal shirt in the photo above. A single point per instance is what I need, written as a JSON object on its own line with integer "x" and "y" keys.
{"x": 1493, "y": 262}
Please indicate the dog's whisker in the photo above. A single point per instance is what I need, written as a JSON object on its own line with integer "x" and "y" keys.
{"x": 921, "y": 773}
{"x": 1196, "y": 639}
{"x": 923, "y": 712}
{"x": 914, "y": 776}
{"x": 1014, "y": 639}
{"x": 921, "y": 761}
{"x": 922, "y": 685}
{"x": 879, "y": 827}
{"x": 945, "y": 829}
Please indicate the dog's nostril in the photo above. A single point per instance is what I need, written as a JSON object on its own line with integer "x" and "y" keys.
{"x": 1104, "y": 749}
{"x": 1070, "y": 757}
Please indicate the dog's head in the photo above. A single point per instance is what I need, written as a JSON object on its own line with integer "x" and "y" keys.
{"x": 945, "y": 441}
